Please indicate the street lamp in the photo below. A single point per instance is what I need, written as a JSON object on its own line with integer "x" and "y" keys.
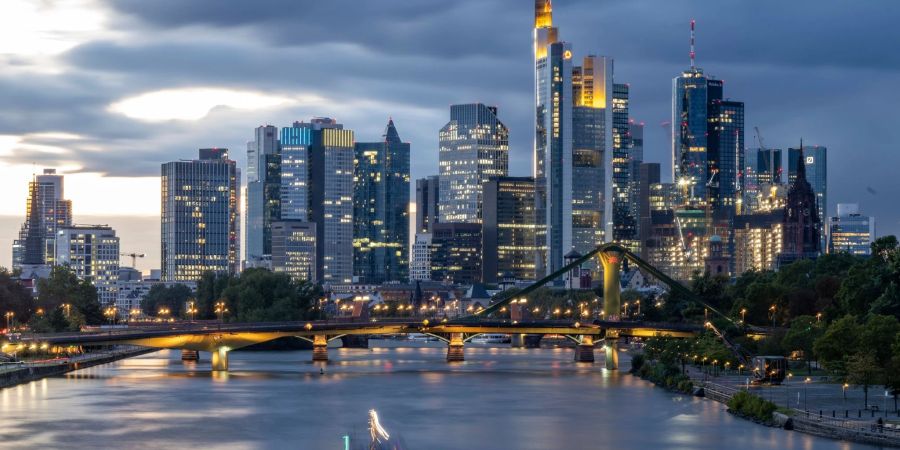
{"x": 772, "y": 308}
{"x": 221, "y": 309}
{"x": 110, "y": 314}
{"x": 9, "y": 316}
{"x": 818, "y": 317}
{"x": 844, "y": 388}
{"x": 192, "y": 309}
{"x": 67, "y": 307}
{"x": 743, "y": 314}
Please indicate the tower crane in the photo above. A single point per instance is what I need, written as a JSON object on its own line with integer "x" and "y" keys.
{"x": 134, "y": 257}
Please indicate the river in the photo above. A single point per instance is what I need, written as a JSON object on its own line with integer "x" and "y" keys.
{"x": 499, "y": 398}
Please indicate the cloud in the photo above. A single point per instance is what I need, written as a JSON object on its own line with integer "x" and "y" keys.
{"x": 196, "y": 103}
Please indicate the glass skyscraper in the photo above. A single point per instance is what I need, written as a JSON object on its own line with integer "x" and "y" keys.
{"x": 200, "y": 216}
{"x": 850, "y": 231}
{"x": 263, "y": 199}
{"x": 52, "y": 211}
{"x": 92, "y": 252}
{"x": 508, "y": 229}
{"x": 474, "y": 146}
{"x": 381, "y": 209}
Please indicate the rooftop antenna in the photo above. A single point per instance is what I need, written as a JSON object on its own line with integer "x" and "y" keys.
{"x": 693, "y": 55}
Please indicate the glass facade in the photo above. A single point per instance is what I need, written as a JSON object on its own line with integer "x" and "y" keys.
{"x": 381, "y": 209}
{"x": 815, "y": 158}
{"x": 200, "y": 216}
{"x": 51, "y": 212}
{"x": 474, "y": 146}
{"x": 850, "y": 231}
{"x": 456, "y": 253}
{"x": 263, "y": 200}
{"x": 294, "y": 249}
{"x": 508, "y": 231}
{"x": 92, "y": 252}
{"x": 427, "y": 195}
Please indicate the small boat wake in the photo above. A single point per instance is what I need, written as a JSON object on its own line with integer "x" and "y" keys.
{"x": 376, "y": 438}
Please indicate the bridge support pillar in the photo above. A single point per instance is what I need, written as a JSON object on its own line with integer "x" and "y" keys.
{"x": 220, "y": 359}
{"x": 320, "y": 348}
{"x": 190, "y": 355}
{"x": 455, "y": 350}
{"x": 584, "y": 352}
{"x": 612, "y": 355}
{"x": 611, "y": 260}
{"x": 517, "y": 340}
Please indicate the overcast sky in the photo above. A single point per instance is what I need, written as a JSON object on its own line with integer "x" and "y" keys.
{"x": 108, "y": 90}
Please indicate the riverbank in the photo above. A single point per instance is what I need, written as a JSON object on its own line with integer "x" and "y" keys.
{"x": 805, "y": 421}
{"x": 35, "y": 371}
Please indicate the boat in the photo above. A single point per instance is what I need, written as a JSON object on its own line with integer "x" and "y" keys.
{"x": 421, "y": 337}
{"x": 491, "y": 338}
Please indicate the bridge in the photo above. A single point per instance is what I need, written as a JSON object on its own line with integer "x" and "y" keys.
{"x": 219, "y": 339}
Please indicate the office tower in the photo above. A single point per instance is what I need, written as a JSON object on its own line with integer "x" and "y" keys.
{"x": 456, "y": 253}
{"x": 648, "y": 176}
{"x": 762, "y": 171}
{"x": 263, "y": 194}
{"x": 294, "y": 249}
{"x": 200, "y": 216}
{"x": 758, "y": 240}
{"x": 508, "y": 229}
{"x": 815, "y": 163}
{"x": 636, "y": 158}
{"x": 707, "y": 140}
{"x": 850, "y": 231}
{"x": 427, "y": 195}
{"x": 92, "y": 252}
{"x": 474, "y": 146}
{"x": 801, "y": 218}
{"x": 317, "y": 186}
{"x": 582, "y": 149}
{"x": 420, "y": 261}
{"x": 47, "y": 211}
{"x": 381, "y": 209}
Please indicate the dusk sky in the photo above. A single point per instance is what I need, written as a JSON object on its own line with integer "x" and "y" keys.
{"x": 106, "y": 91}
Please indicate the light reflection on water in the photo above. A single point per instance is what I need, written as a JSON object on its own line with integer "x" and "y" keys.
{"x": 499, "y": 398}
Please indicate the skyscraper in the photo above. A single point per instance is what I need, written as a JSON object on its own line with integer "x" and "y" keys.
{"x": 381, "y": 209}
{"x": 456, "y": 252}
{"x": 474, "y": 146}
{"x": 427, "y": 194}
{"x": 850, "y": 231}
{"x": 47, "y": 211}
{"x": 263, "y": 194}
{"x": 508, "y": 229}
{"x": 294, "y": 249}
{"x": 200, "y": 216}
{"x": 330, "y": 195}
{"x": 815, "y": 163}
{"x": 92, "y": 252}
{"x": 580, "y": 114}
{"x": 762, "y": 171}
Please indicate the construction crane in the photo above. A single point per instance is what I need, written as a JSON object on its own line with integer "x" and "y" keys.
{"x": 134, "y": 257}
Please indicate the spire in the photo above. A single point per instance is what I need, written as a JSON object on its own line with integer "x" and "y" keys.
{"x": 693, "y": 55}
{"x": 390, "y": 132}
{"x": 801, "y": 164}
{"x": 543, "y": 14}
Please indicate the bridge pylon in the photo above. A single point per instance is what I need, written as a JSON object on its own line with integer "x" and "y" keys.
{"x": 320, "y": 348}
{"x": 220, "y": 359}
{"x": 584, "y": 351}
{"x": 611, "y": 261}
{"x": 456, "y": 348}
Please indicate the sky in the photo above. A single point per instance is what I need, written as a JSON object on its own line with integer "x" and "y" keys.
{"x": 107, "y": 90}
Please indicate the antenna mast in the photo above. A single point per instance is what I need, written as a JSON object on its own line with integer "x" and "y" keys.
{"x": 692, "y": 44}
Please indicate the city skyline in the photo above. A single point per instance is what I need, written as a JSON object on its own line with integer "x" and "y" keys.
{"x": 116, "y": 129}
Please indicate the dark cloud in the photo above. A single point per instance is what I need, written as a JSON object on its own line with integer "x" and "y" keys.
{"x": 824, "y": 71}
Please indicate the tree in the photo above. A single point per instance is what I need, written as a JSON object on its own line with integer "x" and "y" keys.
{"x": 64, "y": 287}
{"x": 173, "y": 297}
{"x": 877, "y": 336}
{"x": 259, "y": 295}
{"x": 840, "y": 339}
{"x": 801, "y": 336}
{"x": 863, "y": 370}
{"x": 14, "y": 297}
{"x": 892, "y": 378}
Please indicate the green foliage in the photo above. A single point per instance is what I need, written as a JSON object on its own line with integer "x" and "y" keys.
{"x": 877, "y": 335}
{"x": 802, "y": 336}
{"x": 863, "y": 370}
{"x": 637, "y": 361}
{"x": 259, "y": 295}
{"x": 840, "y": 339}
{"x": 14, "y": 297}
{"x": 64, "y": 287}
{"x": 752, "y": 406}
{"x": 174, "y": 298}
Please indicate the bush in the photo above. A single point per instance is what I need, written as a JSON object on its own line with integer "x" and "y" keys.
{"x": 637, "y": 362}
{"x": 752, "y": 406}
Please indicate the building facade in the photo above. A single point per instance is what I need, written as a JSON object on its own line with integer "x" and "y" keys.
{"x": 815, "y": 164}
{"x": 801, "y": 218}
{"x": 758, "y": 241}
{"x": 850, "y": 231}
{"x": 294, "y": 249}
{"x": 200, "y": 216}
{"x": 456, "y": 253}
{"x": 508, "y": 229}
{"x": 381, "y": 209}
{"x": 420, "y": 261}
{"x": 49, "y": 211}
{"x": 92, "y": 252}
{"x": 427, "y": 195}
{"x": 474, "y": 146}
{"x": 263, "y": 194}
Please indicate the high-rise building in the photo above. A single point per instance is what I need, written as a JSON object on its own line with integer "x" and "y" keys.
{"x": 456, "y": 253}
{"x": 294, "y": 249}
{"x": 762, "y": 171}
{"x": 200, "y": 216}
{"x": 850, "y": 231}
{"x": 263, "y": 194}
{"x": 582, "y": 152}
{"x": 330, "y": 195}
{"x": 815, "y": 163}
{"x": 648, "y": 176}
{"x": 758, "y": 240}
{"x": 474, "y": 146}
{"x": 707, "y": 141}
{"x": 801, "y": 218}
{"x": 47, "y": 211}
{"x": 427, "y": 195}
{"x": 420, "y": 261}
{"x": 381, "y": 209}
{"x": 508, "y": 229}
{"x": 92, "y": 252}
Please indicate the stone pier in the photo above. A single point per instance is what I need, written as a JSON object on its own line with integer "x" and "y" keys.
{"x": 612, "y": 354}
{"x": 190, "y": 355}
{"x": 320, "y": 348}
{"x": 584, "y": 351}
{"x": 455, "y": 351}
{"x": 517, "y": 340}
{"x": 220, "y": 359}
